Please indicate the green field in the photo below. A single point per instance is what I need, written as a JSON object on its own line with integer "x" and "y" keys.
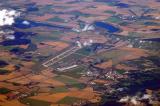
{"x": 44, "y": 9}
{"x": 111, "y": 3}
{"x": 4, "y": 90}
{"x": 110, "y": 12}
{"x": 3, "y": 72}
{"x": 56, "y": 19}
{"x": 75, "y": 72}
{"x": 68, "y": 100}
{"x": 114, "y": 19}
{"x": 72, "y": 58}
{"x": 150, "y": 23}
{"x": 40, "y": 38}
{"x": 79, "y": 85}
{"x": 77, "y": 13}
{"x": 83, "y": 51}
{"x": 120, "y": 71}
{"x": 6, "y": 47}
{"x": 66, "y": 80}
{"x": 53, "y": 35}
{"x": 59, "y": 89}
{"x": 114, "y": 55}
{"x": 70, "y": 81}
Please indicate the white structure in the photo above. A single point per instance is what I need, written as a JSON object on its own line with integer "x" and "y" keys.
{"x": 88, "y": 43}
{"x": 10, "y": 37}
{"x": 87, "y": 27}
{"x": 157, "y": 18}
{"x": 76, "y": 30}
{"x": 7, "y": 32}
{"x": 79, "y": 44}
{"x": 141, "y": 41}
{"x": 85, "y": 43}
{"x": 130, "y": 45}
{"x": 25, "y": 22}
{"x": 129, "y": 99}
{"x": 67, "y": 68}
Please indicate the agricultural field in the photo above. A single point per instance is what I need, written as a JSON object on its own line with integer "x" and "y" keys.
{"x": 79, "y": 52}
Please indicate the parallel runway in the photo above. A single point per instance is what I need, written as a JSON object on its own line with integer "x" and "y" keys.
{"x": 61, "y": 56}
